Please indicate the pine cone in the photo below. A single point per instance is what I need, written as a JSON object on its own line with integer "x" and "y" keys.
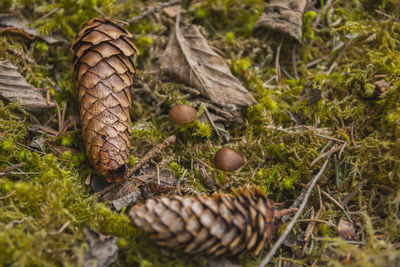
{"x": 104, "y": 65}
{"x": 221, "y": 225}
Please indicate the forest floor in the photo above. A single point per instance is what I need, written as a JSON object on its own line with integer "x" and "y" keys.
{"x": 336, "y": 89}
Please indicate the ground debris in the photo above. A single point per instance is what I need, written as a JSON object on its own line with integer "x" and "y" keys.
{"x": 14, "y": 87}
{"x": 206, "y": 178}
{"x": 150, "y": 182}
{"x": 346, "y": 229}
{"x": 103, "y": 250}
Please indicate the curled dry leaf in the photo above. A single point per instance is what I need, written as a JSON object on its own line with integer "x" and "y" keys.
{"x": 346, "y": 229}
{"x": 189, "y": 59}
{"x": 103, "y": 250}
{"x": 14, "y": 87}
{"x": 284, "y": 16}
{"x": 16, "y": 23}
{"x": 104, "y": 64}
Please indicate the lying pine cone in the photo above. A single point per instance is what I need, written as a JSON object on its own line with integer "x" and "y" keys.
{"x": 104, "y": 65}
{"x": 221, "y": 225}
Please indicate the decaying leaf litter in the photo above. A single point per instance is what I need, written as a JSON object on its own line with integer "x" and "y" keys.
{"x": 283, "y": 134}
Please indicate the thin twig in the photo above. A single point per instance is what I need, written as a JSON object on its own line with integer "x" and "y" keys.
{"x": 153, "y": 10}
{"x": 330, "y": 138}
{"x": 298, "y": 129}
{"x": 202, "y": 163}
{"x": 277, "y": 65}
{"x": 316, "y": 221}
{"x": 294, "y": 62}
{"x": 326, "y": 154}
{"x": 58, "y": 115}
{"x": 335, "y": 63}
{"x": 20, "y": 173}
{"x": 333, "y": 200}
{"x": 210, "y": 119}
{"x": 63, "y": 227}
{"x": 64, "y": 109}
{"x": 50, "y": 119}
{"x": 151, "y": 154}
{"x": 303, "y": 199}
{"x": 352, "y": 135}
{"x": 341, "y": 150}
{"x": 13, "y": 167}
{"x": 8, "y": 195}
{"x": 158, "y": 174}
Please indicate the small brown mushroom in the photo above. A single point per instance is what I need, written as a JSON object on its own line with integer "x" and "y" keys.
{"x": 182, "y": 114}
{"x": 226, "y": 160}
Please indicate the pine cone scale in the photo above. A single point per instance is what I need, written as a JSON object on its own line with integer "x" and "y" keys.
{"x": 104, "y": 66}
{"x": 222, "y": 225}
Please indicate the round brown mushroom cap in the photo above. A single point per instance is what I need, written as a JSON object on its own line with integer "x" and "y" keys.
{"x": 182, "y": 113}
{"x": 227, "y": 159}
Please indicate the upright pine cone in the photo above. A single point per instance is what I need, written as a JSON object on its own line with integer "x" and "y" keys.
{"x": 221, "y": 225}
{"x": 103, "y": 62}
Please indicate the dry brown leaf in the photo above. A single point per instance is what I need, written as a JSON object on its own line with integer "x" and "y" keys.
{"x": 285, "y": 16}
{"x": 189, "y": 59}
{"x": 14, "y": 87}
{"x": 171, "y": 11}
{"x": 346, "y": 229}
{"x": 103, "y": 250}
{"x": 16, "y": 23}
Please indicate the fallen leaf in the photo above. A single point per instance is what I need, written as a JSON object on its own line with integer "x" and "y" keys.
{"x": 284, "y": 16}
{"x": 103, "y": 250}
{"x": 16, "y": 23}
{"x": 171, "y": 11}
{"x": 13, "y": 87}
{"x": 346, "y": 229}
{"x": 189, "y": 59}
